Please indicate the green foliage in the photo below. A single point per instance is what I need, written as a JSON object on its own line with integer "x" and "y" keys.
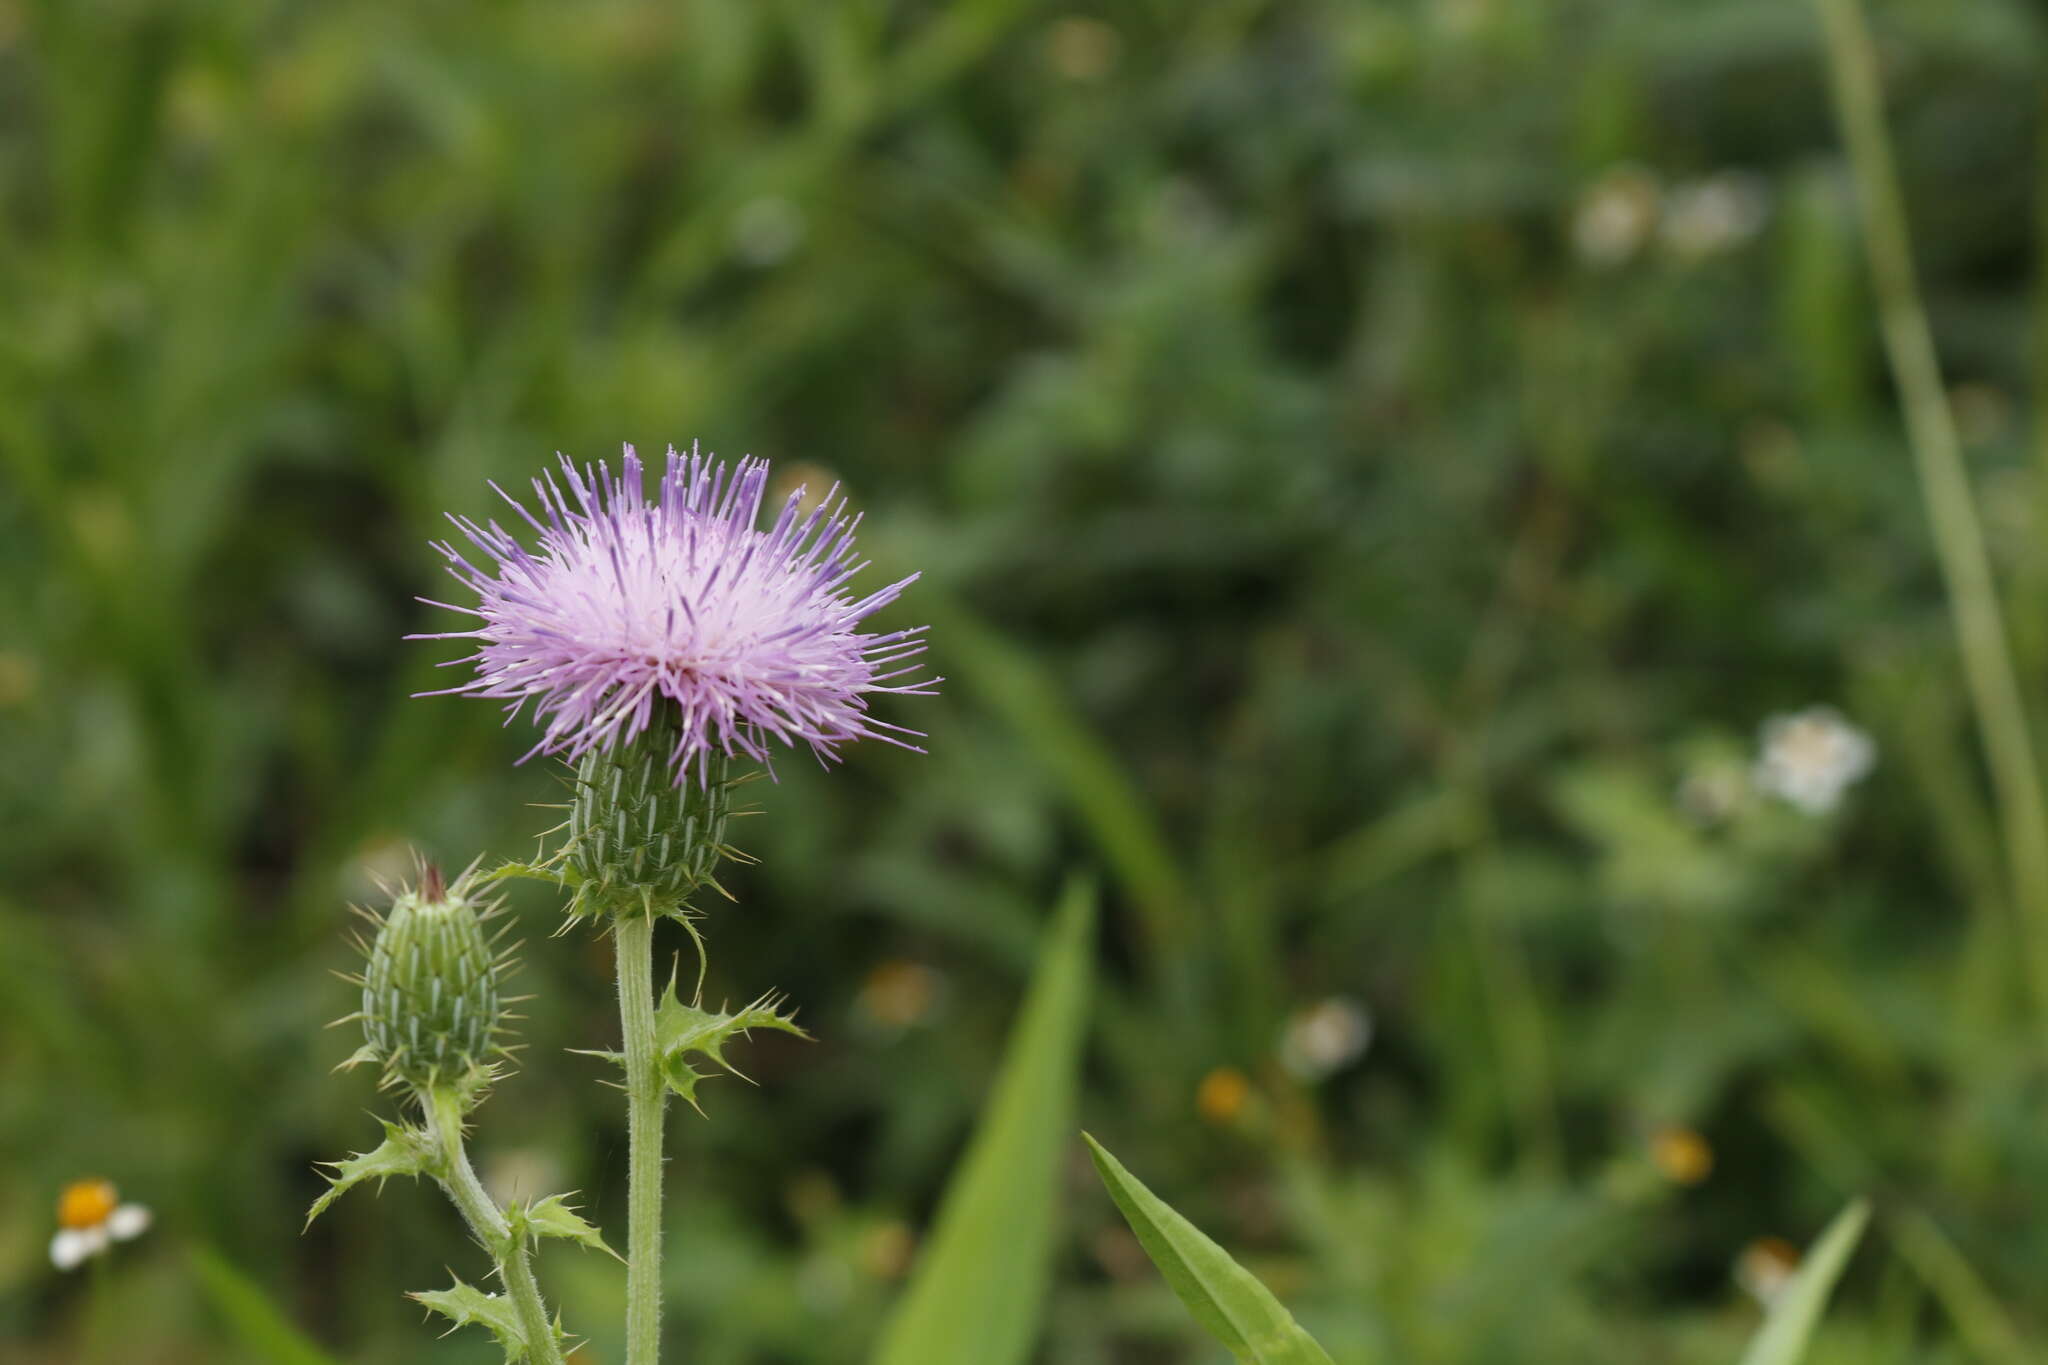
{"x": 981, "y": 1278}
{"x": 552, "y": 1217}
{"x": 405, "y": 1150}
{"x": 1796, "y": 1309}
{"x": 252, "y": 1318}
{"x": 685, "y": 1031}
{"x": 1223, "y": 1296}
{"x": 1347, "y": 560}
{"x": 465, "y": 1306}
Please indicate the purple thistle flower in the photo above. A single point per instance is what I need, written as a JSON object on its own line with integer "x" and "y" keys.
{"x": 628, "y": 605}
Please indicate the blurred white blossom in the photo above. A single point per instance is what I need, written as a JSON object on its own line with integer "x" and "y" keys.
{"x": 1811, "y": 757}
{"x": 1615, "y": 216}
{"x": 521, "y": 1173}
{"x": 1324, "y": 1038}
{"x": 1765, "y": 1267}
{"x": 1717, "y": 214}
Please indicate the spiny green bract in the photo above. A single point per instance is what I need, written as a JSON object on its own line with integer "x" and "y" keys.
{"x": 432, "y": 1012}
{"x": 636, "y": 835}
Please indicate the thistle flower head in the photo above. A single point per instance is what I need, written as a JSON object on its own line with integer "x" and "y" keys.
{"x": 432, "y": 1012}
{"x": 628, "y": 606}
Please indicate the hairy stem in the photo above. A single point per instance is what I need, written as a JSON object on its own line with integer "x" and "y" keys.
{"x": 645, "y": 1097}
{"x": 480, "y": 1211}
{"x": 1944, "y": 479}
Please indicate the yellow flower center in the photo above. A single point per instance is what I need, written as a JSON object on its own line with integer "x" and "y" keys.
{"x": 86, "y": 1203}
{"x": 1222, "y": 1094}
{"x": 1682, "y": 1155}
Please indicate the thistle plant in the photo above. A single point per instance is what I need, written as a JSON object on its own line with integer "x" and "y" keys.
{"x": 434, "y": 1023}
{"x": 667, "y": 644}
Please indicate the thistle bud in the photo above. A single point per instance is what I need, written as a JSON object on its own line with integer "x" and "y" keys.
{"x": 431, "y": 1007}
{"x": 637, "y": 834}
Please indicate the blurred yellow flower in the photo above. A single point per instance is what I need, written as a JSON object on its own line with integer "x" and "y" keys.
{"x": 1083, "y": 49}
{"x": 886, "y": 1249}
{"x": 91, "y": 1218}
{"x": 1681, "y": 1155}
{"x": 1222, "y": 1094}
{"x": 898, "y": 994}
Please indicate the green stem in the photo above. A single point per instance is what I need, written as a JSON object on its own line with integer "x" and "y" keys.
{"x": 99, "y": 1313}
{"x": 480, "y": 1211}
{"x": 1944, "y": 480}
{"x": 645, "y": 1097}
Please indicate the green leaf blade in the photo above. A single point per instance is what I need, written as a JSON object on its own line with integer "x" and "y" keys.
{"x": 984, "y": 1270}
{"x": 1226, "y": 1299}
{"x": 1796, "y": 1311}
{"x": 250, "y": 1313}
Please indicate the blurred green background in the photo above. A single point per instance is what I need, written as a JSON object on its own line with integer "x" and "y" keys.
{"x": 1374, "y": 466}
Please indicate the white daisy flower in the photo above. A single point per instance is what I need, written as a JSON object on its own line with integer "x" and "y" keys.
{"x": 1615, "y": 216}
{"x": 1811, "y": 757}
{"x": 91, "y": 1218}
{"x": 1325, "y": 1038}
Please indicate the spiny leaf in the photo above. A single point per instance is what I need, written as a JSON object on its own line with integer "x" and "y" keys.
{"x": 404, "y": 1151}
{"x": 1797, "y": 1308}
{"x": 466, "y": 1305}
{"x": 1225, "y": 1298}
{"x": 981, "y": 1278}
{"x": 551, "y": 1217}
{"x": 680, "y": 1030}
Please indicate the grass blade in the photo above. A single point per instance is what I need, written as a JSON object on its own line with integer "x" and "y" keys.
{"x": 983, "y": 1273}
{"x": 1225, "y": 1298}
{"x": 1106, "y": 799}
{"x": 1783, "y": 1337}
{"x": 255, "y": 1321}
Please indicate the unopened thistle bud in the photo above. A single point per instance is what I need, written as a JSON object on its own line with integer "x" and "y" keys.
{"x": 432, "y": 1012}
{"x": 637, "y": 835}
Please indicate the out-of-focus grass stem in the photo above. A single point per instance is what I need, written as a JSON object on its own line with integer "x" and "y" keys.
{"x": 1944, "y": 481}
{"x": 99, "y": 1313}
{"x": 1928, "y": 1251}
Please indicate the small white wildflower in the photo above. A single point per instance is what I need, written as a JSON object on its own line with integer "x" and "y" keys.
{"x": 1765, "y": 1267}
{"x": 1811, "y": 757}
{"x": 91, "y": 1218}
{"x": 1615, "y": 216}
{"x": 1324, "y": 1038}
{"x": 1717, "y": 214}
